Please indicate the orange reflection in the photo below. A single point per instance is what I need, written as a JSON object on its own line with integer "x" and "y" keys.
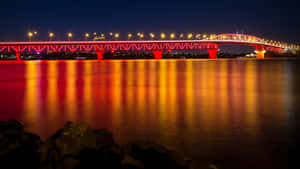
{"x": 116, "y": 94}
{"x": 32, "y": 95}
{"x": 223, "y": 101}
{"x": 88, "y": 100}
{"x": 189, "y": 94}
{"x": 71, "y": 100}
{"x": 251, "y": 94}
{"x": 140, "y": 91}
{"x": 172, "y": 91}
{"x": 52, "y": 99}
{"x": 162, "y": 84}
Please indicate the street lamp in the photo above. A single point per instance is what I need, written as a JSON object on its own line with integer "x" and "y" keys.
{"x": 162, "y": 35}
{"x": 190, "y": 36}
{"x": 30, "y": 34}
{"x": 172, "y": 35}
{"x": 117, "y": 35}
{"x": 70, "y": 35}
{"x": 141, "y": 36}
{"x": 152, "y": 35}
{"x": 129, "y": 36}
{"x": 87, "y": 35}
{"x": 51, "y": 35}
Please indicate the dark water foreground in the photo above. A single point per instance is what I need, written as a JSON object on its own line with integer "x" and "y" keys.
{"x": 77, "y": 146}
{"x": 240, "y": 113}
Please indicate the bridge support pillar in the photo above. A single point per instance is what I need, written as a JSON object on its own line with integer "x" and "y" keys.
{"x": 260, "y": 52}
{"x": 99, "y": 55}
{"x": 212, "y": 53}
{"x": 18, "y": 54}
{"x": 158, "y": 54}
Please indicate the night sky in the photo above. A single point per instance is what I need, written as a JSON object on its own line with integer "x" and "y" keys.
{"x": 277, "y": 20}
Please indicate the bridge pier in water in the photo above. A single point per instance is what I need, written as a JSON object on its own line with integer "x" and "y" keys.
{"x": 158, "y": 54}
{"x": 99, "y": 55}
{"x": 260, "y": 52}
{"x": 212, "y": 53}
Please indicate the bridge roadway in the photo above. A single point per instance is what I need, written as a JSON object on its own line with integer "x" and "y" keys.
{"x": 156, "y": 46}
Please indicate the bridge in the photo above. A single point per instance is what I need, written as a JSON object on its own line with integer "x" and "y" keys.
{"x": 156, "y": 46}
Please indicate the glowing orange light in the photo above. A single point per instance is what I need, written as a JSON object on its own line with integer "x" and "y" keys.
{"x": 163, "y": 35}
{"x": 172, "y": 36}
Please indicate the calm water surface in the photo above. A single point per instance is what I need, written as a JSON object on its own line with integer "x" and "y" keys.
{"x": 236, "y": 113}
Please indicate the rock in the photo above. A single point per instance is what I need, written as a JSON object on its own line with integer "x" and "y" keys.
{"x": 110, "y": 156}
{"x": 77, "y": 146}
{"x": 106, "y": 157}
{"x": 11, "y": 124}
{"x": 103, "y": 138}
{"x": 157, "y": 156}
{"x": 69, "y": 163}
{"x": 73, "y": 140}
{"x": 130, "y": 163}
{"x": 18, "y": 149}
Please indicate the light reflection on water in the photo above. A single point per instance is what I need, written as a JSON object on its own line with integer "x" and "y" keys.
{"x": 209, "y": 110}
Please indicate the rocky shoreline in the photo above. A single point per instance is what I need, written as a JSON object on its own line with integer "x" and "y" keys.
{"x": 77, "y": 146}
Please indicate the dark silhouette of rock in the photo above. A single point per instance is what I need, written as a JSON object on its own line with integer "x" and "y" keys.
{"x": 77, "y": 146}
{"x": 18, "y": 149}
{"x": 130, "y": 163}
{"x": 71, "y": 141}
{"x": 156, "y": 156}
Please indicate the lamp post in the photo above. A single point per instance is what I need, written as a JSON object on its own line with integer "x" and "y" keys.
{"x": 172, "y": 35}
{"x": 181, "y": 36}
{"x": 152, "y": 36}
{"x": 51, "y": 35}
{"x": 117, "y": 35}
{"x": 111, "y": 35}
{"x": 87, "y": 35}
{"x": 141, "y": 36}
{"x": 70, "y": 35}
{"x": 162, "y": 35}
{"x": 30, "y": 34}
{"x": 129, "y": 36}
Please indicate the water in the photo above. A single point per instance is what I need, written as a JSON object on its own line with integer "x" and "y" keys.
{"x": 239, "y": 113}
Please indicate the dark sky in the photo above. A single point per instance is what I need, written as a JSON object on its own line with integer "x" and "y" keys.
{"x": 277, "y": 20}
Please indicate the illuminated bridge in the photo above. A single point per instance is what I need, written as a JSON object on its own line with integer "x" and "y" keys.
{"x": 156, "y": 46}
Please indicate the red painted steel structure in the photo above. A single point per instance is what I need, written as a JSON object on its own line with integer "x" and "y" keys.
{"x": 157, "y": 47}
